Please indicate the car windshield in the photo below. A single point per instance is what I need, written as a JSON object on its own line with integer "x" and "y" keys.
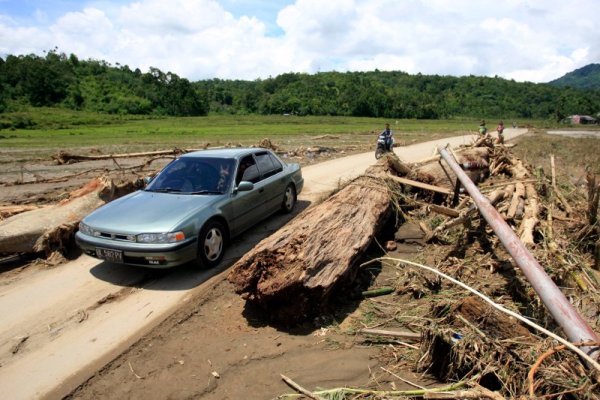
{"x": 194, "y": 175}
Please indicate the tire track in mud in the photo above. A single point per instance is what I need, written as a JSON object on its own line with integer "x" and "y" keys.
{"x": 64, "y": 323}
{"x": 28, "y": 337}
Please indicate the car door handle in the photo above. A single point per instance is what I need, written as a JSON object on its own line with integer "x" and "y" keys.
{"x": 261, "y": 190}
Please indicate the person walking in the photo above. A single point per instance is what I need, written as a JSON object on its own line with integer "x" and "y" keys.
{"x": 482, "y": 128}
{"x": 500, "y": 130}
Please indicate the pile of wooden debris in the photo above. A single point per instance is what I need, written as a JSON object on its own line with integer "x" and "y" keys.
{"x": 463, "y": 338}
{"x": 297, "y": 273}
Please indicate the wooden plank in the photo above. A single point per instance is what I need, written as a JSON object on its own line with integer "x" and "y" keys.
{"x": 421, "y": 185}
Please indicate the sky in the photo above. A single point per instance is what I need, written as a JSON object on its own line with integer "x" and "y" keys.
{"x": 524, "y": 40}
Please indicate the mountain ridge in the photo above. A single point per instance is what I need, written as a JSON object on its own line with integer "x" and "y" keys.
{"x": 587, "y": 77}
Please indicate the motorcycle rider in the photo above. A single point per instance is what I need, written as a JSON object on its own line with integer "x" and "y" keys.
{"x": 388, "y": 135}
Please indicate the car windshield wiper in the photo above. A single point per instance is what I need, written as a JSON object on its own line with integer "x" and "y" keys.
{"x": 207, "y": 192}
{"x": 164, "y": 190}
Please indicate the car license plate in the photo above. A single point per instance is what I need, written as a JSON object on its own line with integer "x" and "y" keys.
{"x": 115, "y": 256}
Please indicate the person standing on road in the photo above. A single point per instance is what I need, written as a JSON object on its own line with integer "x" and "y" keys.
{"x": 482, "y": 128}
{"x": 388, "y": 135}
{"x": 500, "y": 130}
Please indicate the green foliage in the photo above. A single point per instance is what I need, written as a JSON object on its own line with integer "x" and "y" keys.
{"x": 587, "y": 77}
{"x": 95, "y": 86}
{"x": 397, "y": 95}
{"x": 58, "y": 80}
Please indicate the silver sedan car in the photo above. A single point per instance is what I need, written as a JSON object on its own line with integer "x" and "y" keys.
{"x": 190, "y": 210}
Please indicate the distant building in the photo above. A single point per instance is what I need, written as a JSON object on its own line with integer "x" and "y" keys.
{"x": 579, "y": 119}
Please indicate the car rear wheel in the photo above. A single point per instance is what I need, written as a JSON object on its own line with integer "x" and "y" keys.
{"x": 211, "y": 244}
{"x": 289, "y": 199}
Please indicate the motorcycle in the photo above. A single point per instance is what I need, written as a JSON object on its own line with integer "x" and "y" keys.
{"x": 384, "y": 145}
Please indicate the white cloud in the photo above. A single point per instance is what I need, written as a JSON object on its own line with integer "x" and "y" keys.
{"x": 91, "y": 24}
{"x": 523, "y": 40}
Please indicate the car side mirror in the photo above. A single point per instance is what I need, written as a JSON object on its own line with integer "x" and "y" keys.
{"x": 245, "y": 186}
{"x": 148, "y": 179}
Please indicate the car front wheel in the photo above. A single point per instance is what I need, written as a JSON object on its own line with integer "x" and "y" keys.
{"x": 211, "y": 244}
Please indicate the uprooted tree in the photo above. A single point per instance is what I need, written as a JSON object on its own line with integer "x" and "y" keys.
{"x": 52, "y": 227}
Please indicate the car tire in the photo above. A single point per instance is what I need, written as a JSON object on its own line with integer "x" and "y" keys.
{"x": 289, "y": 199}
{"x": 212, "y": 241}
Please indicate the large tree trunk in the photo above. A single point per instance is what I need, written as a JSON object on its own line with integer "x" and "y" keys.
{"x": 292, "y": 273}
{"x": 48, "y": 228}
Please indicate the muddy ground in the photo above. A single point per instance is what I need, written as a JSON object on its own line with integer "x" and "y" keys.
{"x": 215, "y": 347}
{"x": 218, "y": 347}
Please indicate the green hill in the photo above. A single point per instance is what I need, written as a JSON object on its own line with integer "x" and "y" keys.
{"x": 58, "y": 80}
{"x": 587, "y": 77}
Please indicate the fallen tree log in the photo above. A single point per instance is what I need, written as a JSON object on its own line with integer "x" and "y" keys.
{"x": 64, "y": 157}
{"x": 293, "y": 272}
{"x": 466, "y": 215}
{"x": 530, "y": 219}
{"x": 518, "y": 196}
{"x": 10, "y": 210}
{"x": 438, "y": 173}
{"x": 49, "y": 228}
{"x": 421, "y": 185}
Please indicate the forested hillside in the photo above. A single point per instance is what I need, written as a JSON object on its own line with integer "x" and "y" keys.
{"x": 587, "y": 77}
{"x": 58, "y": 80}
{"x": 398, "y": 95}
{"x": 66, "y": 81}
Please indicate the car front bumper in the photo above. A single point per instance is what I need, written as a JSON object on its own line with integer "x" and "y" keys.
{"x": 140, "y": 254}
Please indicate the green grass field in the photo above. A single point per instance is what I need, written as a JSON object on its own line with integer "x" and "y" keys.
{"x": 46, "y": 130}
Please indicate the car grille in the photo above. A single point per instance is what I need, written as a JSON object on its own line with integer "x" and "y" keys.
{"x": 117, "y": 236}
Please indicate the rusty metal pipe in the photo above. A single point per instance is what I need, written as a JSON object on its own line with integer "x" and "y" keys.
{"x": 575, "y": 327}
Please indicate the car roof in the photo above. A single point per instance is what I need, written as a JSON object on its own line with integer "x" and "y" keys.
{"x": 235, "y": 152}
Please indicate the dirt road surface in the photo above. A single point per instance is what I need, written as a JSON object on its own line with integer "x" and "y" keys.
{"x": 60, "y": 325}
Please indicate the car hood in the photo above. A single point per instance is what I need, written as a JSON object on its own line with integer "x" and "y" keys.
{"x": 148, "y": 212}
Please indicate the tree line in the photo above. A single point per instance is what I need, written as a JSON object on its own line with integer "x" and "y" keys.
{"x": 60, "y": 80}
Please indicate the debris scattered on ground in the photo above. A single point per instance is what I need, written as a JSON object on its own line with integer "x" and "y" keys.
{"x": 462, "y": 339}
{"x": 474, "y": 350}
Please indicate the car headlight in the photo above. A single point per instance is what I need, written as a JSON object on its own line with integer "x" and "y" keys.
{"x": 86, "y": 229}
{"x": 169, "y": 237}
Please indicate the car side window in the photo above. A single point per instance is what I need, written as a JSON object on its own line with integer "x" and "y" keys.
{"x": 247, "y": 171}
{"x": 266, "y": 164}
{"x": 276, "y": 163}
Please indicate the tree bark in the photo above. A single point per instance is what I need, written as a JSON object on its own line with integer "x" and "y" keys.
{"x": 438, "y": 173}
{"x": 48, "y": 228}
{"x": 293, "y": 272}
{"x": 518, "y": 195}
{"x": 530, "y": 220}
